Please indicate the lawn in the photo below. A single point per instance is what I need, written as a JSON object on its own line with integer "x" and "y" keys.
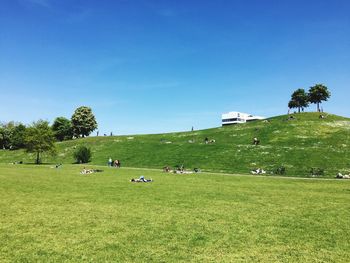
{"x": 56, "y": 215}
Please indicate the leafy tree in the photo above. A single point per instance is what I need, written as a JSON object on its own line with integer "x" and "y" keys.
{"x": 83, "y": 121}
{"x": 300, "y": 99}
{"x": 6, "y": 130}
{"x": 18, "y": 136}
{"x": 62, "y": 128}
{"x": 318, "y": 93}
{"x": 82, "y": 154}
{"x": 39, "y": 138}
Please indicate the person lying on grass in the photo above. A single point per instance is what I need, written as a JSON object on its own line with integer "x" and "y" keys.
{"x": 90, "y": 171}
{"x": 258, "y": 171}
{"x": 142, "y": 179}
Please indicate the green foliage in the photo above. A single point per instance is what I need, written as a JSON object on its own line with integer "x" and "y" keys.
{"x": 39, "y": 138}
{"x": 82, "y": 154}
{"x": 12, "y": 135}
{"x": 299, "y": 99}
{"x": 62, "y": 128}
{"x": 83, "y": 121}
{"x": 281, "y": 170}
{"x": 6, "y": 130}
{"x": 58, "y": 215}
{"x": 318, "y": 93}
{"x": 18, "y": 137}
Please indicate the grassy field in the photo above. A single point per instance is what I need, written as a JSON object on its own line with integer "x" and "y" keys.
{"x": 299, "y": 145}
{"x": 57, "y": 215}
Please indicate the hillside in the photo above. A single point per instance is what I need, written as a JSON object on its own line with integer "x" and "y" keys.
{"x": 299, "y": 144}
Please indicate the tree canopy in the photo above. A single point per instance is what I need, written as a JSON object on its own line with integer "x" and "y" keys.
{"x": 299, "y": 99}
{"x": 83, "y": 121}
{"x": 39, "y": 138}
{"x": 318, "y": 93}
{"x": 62, "y": 128}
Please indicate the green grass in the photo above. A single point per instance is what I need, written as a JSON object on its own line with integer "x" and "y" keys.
{"x": 58, "y": 215}
{"x": 298, "y": 145}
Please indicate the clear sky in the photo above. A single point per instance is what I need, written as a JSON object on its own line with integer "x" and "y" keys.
{"x": 153, "y": 66}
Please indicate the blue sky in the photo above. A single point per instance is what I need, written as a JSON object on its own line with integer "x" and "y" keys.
{"x": 160, "y": 66}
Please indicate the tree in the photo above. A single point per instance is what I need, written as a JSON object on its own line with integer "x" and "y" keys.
{"x": 300, "y": 99}
{"x": 318, "y": 93}
{"x": 62, "y": 128}
{"x": 18, "y": 136}
{"x": 82, "y": 154}
{"x": 6, "y": 130}
{"x": 83, "y": 121}
{"x": 39, "y": 138}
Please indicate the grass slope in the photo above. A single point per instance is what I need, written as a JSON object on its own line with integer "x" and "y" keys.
{"x": 58, "y": 215}
{"x": 298, "y": 145}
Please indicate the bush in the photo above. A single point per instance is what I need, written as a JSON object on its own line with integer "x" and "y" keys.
{"x": 280, "y": 170}
{"x": 82, "y": 154}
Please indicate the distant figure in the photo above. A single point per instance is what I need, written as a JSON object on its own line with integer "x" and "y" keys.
{"x": 206, "y": 140}
{"x": 111, "y": 134}
{"x": 166, "y": 169}
{"x": 192, "y": 128}
{"x": 110, "y": 161}
{"x": 97, "y": 134}
{"x": 117, "y": 164}
{"x": 256, "y": 141}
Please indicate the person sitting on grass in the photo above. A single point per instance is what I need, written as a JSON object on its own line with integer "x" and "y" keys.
{"x": 256, "y": 141}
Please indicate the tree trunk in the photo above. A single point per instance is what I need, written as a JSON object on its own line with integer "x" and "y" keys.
{"x": 298, "y": 109}
{"x": 318, "y": 107}
{"x": 37, "y": 158}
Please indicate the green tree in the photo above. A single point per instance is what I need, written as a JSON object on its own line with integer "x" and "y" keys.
{"x": 18, "y": 136}
{"x": 62, "y": 128}
{"x": 318, "y": 93}
{"x": 6, "y": 130}
{"x": 83, "y": 121}
{"x": 82, "y": 154}
{"x": 39, "y": 138}
{"x": 299, "y": 99}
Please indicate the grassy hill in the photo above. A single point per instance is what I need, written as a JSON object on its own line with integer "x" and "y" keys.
{"x": 300, "y": 144}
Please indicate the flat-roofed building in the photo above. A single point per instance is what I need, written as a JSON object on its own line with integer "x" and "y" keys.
{"x": 235, "y": 117}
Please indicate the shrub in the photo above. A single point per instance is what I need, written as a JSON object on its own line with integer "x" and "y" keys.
{"x": 82, "y": 154}
{"x": 280, "y": 170}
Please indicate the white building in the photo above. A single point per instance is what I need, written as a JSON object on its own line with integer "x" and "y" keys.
{"x": 234, "y": 117}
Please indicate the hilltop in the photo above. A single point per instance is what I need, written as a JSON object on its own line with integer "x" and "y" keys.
{"x": 299, "y": 144}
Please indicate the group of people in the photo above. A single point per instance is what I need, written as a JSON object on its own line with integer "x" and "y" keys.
{"x": 180, "y": 170}
{"x": 258, "y": 171}
{"x": 90, "y": 171}
{"x": 343, "y": 176}
{"x": 206, "y": 140}
{"x": 115, "y": 163}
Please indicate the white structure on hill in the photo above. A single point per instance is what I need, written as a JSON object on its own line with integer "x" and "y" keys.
{"x": 234, "y": 117}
